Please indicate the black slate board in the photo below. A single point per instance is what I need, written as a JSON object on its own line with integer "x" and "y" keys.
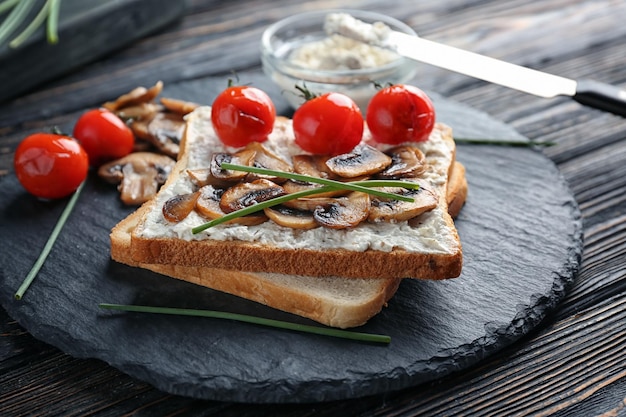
{"x": 522, "y": 238}
{"x": 88, "y": 29}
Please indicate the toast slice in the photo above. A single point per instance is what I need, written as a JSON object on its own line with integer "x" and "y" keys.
{"x": 427, "y": 246}
{"x": 332, "y": 301}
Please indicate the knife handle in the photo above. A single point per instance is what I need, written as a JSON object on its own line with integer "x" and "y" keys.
{"x": 601, "y": 96}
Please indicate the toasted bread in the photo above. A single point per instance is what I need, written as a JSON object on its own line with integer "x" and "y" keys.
{"x": 425, "y": 247}
{"x": 333, "y": 301}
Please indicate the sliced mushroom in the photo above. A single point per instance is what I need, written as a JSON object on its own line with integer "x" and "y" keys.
{"x": 384, "y": 210}
{"x": 313, "y": 166}
{"x": 363, "y": 160}
{"x": 344, "y": 212}
{"x": 178, "y": 207}
{"x": 309, "y": 204}
{"x": 136, "y": 96}
{"x": 164, "y": 131}
{"x": 292, "y": 186}
{"x": 139, "y": 111}
{"x": 200, "y": 177}
{"x": 288, "y": 217}
{"x": 406, "y": 162}
{"x": 139, "y": 175}
{"x": 248, "y": 193}
{"x": 208, "y": 205}
{"x": 263, "y": 158}
{"x": 224, "y": 177}
{"x": 178, "y": 106}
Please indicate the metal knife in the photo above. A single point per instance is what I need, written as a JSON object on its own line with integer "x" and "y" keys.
{"x": 588, "y": 92}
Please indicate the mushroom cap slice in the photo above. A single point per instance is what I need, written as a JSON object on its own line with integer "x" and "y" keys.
{"x": 344, "y": 212}
{"x": 139, "y": 111}
{"x": 164, "y": 131}
{"x": 139, "y": 175}
{"x": 406, "y": 162}
{"x": 363, "y": 160}
{"x": 208, "y": 206}
{"x": 292, "y": 186}
{"x": 292, "y": 218}
{"x": 313, "y": 166}
{"x": 225, "y": 177}
{"x": 179, "y": 106}
{"x": 263, "y": 158}
{"x": 248, "y": 193}
{"x": 136, "y": 96}
{"x": 387, "y": 210}
{"x": 178, "y": 207}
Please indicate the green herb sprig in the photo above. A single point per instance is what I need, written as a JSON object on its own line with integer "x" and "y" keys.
{"x": 514, "y": 143}
{"x": 49, "y": 244}
{"x": 19, "y": 11}
{"x": 327, "y": 185}
{"x": 324, "y": 331}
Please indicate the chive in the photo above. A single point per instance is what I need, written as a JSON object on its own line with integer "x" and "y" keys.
{"x": 353, "y": 186}
{"x": 32, "y": 27}
{"x": 279, "y": 200}
{"x": 7, "y": 4}
{"x": 479, "y": 141}
{"x": 324, "y": 331}
{"x": 53, "y": 21}
{"x": 48, "y": 247}
{"x": 15, "y": 18}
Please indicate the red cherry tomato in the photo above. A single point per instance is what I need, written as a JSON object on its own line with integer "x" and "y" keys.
{"x": 49, "y": 165}
{"x": 104, "y": 136}
{"x": 330, "y": 124}
{"x": 400, "y": 113}
{"x": 243, "y": 114}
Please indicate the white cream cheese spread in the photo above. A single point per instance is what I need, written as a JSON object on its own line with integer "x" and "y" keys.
{"x": 427, "y": 233}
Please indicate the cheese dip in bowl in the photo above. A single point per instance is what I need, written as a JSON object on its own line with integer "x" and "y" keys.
{"x": 296, "y": 51}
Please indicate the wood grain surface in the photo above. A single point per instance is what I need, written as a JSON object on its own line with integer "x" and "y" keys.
{"x": 573, "y": 364}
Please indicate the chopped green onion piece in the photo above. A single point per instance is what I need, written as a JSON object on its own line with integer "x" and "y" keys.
{"x": 51, "y": 240}
{"x": 516, "y": 143}
{"x": 279, "y": 200}
{"x": 324, "y": 331}
{"x": 353, "y": 186}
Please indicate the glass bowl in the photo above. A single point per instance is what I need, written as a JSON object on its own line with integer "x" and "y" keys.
{"x": 330, "y": 65}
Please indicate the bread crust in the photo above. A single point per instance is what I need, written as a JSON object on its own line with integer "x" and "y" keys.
{"x": 285, "y": 295}
{"x": 254, "y": 257}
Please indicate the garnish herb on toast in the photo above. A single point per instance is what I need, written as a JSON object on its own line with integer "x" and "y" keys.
{"x": 324, "y": 331}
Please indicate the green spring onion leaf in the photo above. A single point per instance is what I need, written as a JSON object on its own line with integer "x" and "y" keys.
{"x": 515, "y": 143}
{"x": 353, "y": 186}
{"x": 49, "y": 244}
{"x": 324, "y": 331}
{"x": 300, "y": 194}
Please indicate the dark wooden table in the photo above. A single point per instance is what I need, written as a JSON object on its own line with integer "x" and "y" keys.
{"x": 573, "y": 364}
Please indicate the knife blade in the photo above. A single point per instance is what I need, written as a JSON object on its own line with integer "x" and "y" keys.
{"x": 591, "y": 93}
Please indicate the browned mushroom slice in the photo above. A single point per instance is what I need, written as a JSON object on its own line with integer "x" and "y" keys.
{"x": 313, "y": 166}
{"x": 363, "y": 160}
{"x": 248, "y": 193}
{"x": 164, "y": 131}
{"x": 292, "y": 186}
{"x": 292, "y": 218}
{"x": 263, "y": 158}
{"x": 407, "y": 162}
{"x": 308, "y": 203}
{"x": 139, "y": 111}
{"x": 178, "y": 207}
{"x": 139, "y": 174}
{"x": 344, "y": 212}
{"x": 179, "y": 106}
{"x": 200, "y": 177}
{"x": 208, "y": 205}
{"x": 224, "y": 177}
{"x": 388, "y": 210}
{"x": 136, "y": 96}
